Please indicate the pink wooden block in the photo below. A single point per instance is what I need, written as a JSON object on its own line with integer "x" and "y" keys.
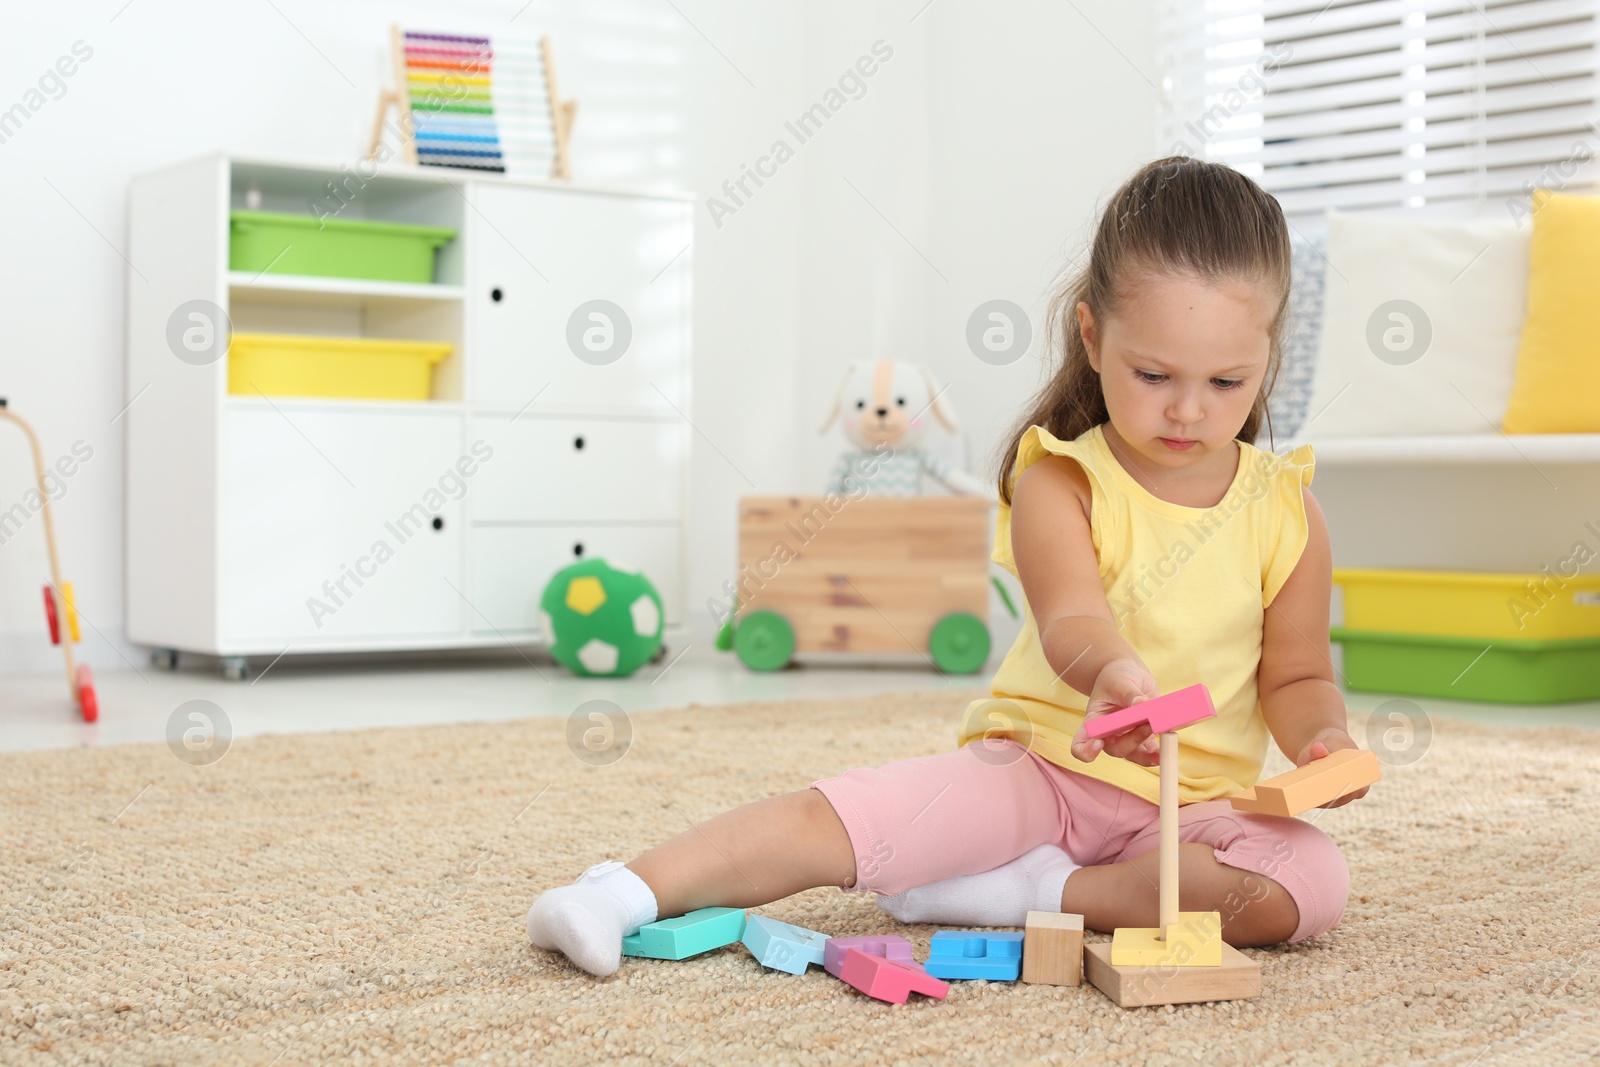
{"x": 1175, "y": 710}
{"x": 889, "y": 946}
{"x": 888, "y": 980}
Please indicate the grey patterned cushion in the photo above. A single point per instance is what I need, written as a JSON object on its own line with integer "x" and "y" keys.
{"x": 1292, "y": 395}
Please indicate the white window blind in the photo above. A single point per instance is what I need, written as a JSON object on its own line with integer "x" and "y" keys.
{"x": 1358, "y": 104}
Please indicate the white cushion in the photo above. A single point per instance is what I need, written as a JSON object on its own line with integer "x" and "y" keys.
{"x": 1466, "y": 284}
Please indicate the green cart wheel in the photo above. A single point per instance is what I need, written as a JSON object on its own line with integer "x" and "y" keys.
{"x": 764, "y": 640}
{"x": 960, "y": 644}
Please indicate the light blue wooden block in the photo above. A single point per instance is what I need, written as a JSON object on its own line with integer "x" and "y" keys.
{"x": 687, "y": 935}
{"x": 975, "y": 954}
{"x": 783, "y": 946}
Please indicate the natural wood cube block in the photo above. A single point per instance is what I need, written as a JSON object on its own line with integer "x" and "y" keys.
{"x": 1052, "y": 948}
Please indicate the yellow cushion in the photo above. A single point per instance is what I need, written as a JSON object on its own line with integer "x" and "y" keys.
{"x": 1558, "y": 362}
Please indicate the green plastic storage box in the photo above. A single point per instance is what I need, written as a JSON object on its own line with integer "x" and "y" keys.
{"x": 1459, "y": 668}
{"x": 334, "y": 248}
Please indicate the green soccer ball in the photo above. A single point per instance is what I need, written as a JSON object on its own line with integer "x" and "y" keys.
{"x": 601, "y": 621}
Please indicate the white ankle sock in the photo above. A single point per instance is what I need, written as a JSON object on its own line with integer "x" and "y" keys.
{"x": 1001, "y": 897}
{"x": 588, "y": 919}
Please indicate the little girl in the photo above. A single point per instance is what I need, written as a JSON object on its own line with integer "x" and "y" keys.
{"x": 1156, "y": 547}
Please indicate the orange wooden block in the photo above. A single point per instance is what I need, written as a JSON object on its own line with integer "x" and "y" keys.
{"x": 1311, "y": 786}
{"x": 1052, "y": 949}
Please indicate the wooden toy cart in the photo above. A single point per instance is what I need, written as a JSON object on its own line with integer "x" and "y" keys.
{"x": 60, "y": 607}
{"x": 876, "y": 575}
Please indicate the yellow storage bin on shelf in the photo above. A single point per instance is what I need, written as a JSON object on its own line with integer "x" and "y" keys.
{"x": 1527, "y": 607}
{"x": 353, "y": 367}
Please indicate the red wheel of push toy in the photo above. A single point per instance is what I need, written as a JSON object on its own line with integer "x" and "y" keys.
{"x": 88, "y": 702}
{"x": 50, "y": 616}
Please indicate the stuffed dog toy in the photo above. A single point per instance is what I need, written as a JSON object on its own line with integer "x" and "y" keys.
{"x": 883, "y": 407}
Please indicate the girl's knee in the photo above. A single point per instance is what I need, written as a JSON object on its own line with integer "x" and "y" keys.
{"x": 1317, "y": 875}
{"x": 1301, "y": 859}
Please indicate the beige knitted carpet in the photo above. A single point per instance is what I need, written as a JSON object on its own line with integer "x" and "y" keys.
{"x": 352, "y": 897}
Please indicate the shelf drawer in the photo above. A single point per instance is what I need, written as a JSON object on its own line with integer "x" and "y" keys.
{"x": 332, "y": 526}
{"x": 579, "y": 298}
{"x": 509, "y": 566}
{"x": 579, "y": 470}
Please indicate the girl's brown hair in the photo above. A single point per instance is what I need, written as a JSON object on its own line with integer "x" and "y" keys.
{"x": 1175, "y": 216}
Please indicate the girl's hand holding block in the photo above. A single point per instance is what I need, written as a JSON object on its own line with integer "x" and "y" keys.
{"x": 1326, "y": 744}
{"x": 1323, "y": 779}
{"x": 1121, "y": 684}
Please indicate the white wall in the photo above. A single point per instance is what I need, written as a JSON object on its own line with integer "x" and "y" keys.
{"x": 987, "y": 141}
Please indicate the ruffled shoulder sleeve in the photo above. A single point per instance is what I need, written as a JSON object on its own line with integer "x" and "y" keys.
{"x": 1288, "y": 528}
{"x": 1037, "y": 443}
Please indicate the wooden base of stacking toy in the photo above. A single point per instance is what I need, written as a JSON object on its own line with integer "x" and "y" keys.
{"x": 1183, "y": 960}
{"x": 1238, "y": 977}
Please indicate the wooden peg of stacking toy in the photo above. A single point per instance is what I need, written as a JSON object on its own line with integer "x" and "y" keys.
{"x": 1317, "y": 783}
{"x": 1182, "y": 960}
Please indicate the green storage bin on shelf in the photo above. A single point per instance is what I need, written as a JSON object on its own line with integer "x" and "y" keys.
{"x": 277, "y": 243}
{"x": 1459, "y": 668}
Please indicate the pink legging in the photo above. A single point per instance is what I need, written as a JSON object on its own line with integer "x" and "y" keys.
{"x": 975, "y": 808}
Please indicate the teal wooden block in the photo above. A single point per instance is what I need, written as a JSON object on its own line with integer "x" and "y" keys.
{"x": 783, "y": 946}
{"x": 971, "y": 954}
{"x": 687, "y": 935}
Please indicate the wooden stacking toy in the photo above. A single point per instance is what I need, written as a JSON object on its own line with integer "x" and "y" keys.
{"x": 1182, "y": 960}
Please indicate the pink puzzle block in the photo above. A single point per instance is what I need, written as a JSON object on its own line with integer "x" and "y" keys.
{"x": 888, "y": 980}
{"x": 1175, "y": 710}
{"x": 888, "y": 946}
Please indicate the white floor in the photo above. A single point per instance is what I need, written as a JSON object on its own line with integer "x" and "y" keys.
{"x": 310, "y": 695}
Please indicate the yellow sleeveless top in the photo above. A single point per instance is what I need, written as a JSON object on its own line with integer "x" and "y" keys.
{"x": 1188, "y": 588}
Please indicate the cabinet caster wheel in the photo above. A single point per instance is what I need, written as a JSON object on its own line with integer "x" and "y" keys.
{"x": 164, "y": 659}
{"x": 661, "y": 654}
{"x": 234, "y": 668}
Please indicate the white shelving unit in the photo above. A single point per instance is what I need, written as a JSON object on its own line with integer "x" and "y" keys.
{"x": 1466, "y": 449}
{"x": 260, "y": 526}
{"x": 1465, "y": 502}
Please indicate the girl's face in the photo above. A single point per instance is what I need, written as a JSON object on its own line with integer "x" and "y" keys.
{"x": 1180, "y": 365}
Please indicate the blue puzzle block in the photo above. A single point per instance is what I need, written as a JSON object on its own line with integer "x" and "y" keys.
{"x": 782, "y": 946}
{"x": 687, "y": 935}
{"x": 970, "y": 954}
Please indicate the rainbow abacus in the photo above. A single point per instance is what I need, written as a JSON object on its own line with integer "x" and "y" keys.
{"x": 480, "y": 103}
{"x": 449, "y": 81}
